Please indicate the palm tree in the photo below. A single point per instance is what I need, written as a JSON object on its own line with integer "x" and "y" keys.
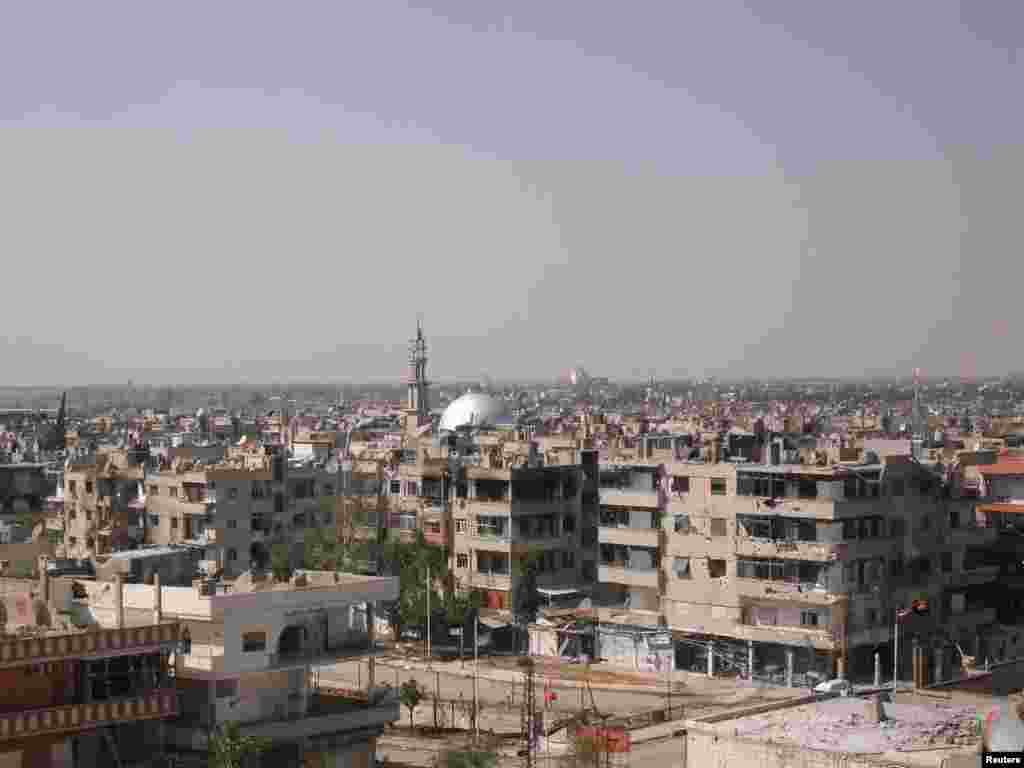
{"x": 229, "y": 747}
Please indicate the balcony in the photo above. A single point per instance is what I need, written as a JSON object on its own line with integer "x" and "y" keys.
{"x": 498, "y": 581}
{"x": 485, "y": 507}
{"x": 71, "y": 718}
{"x": 36, "y": 650}
{"x": 327, "y": 713}
{"x": 973, "y": 617}
{"x": 634, "y": 577}
{"x": 629, "y": 537}
{"x": 198, "y": 507}
{"x": 543, "y": 542}
{"x": 789, "y": 550}
{"x": 762, "y": 589}
{"x": 983, "y": 575}
{"x": 820, "y": 639}
{"x": 627, "y": 497}
{"x": 488, "y": 538}
{"x": 870, "y": 636}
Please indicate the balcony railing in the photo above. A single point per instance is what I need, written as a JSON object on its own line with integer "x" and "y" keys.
{"x": 33, "y": 650}
{"x": 155, "y": 705}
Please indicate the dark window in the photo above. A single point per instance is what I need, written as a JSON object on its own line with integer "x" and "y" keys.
{"x": 808, "y": 618}
{"x": 897, "y": 486}
{"x": 680, "y": 485}
{"x": 718, "y": 526}
{"x": 808, "y": 488}
{"x": 226, "y": 689}
{"x": 716, "y": 569}
{"x": 954, "y": 518}
{"x": 718, "y": 486}
{"x": 898, "y": 527}
{"x": 947, "y": 562}
{"x": 254, "y": 641}
{"x": 896, "y": 567}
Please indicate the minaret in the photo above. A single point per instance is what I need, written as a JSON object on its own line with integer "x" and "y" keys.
{"x": 418, "y": 402}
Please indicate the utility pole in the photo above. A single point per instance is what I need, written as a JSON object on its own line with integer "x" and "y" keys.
{"x": 428, "y": 614}
{"x": 529, "y": 716}
{"x": 895, "y": 649}
{"x": 476, "y": 681}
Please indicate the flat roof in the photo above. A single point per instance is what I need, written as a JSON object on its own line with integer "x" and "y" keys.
{"x": 841, "y": 725}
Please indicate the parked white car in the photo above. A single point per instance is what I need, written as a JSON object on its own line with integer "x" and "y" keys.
{"x": 838, "y": 685}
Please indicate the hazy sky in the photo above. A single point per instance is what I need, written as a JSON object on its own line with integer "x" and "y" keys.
{"x": 222, "y": 191}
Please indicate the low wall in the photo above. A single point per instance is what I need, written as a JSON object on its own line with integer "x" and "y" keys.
{"x": 715, "y": 747}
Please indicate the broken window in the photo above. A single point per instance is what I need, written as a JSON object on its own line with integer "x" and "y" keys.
{"x": 252, "y": 641}
{"x": 681, "y": 567}
{"x": 807, "y": 488}
{"x": 716, "y": 569}
{"x": 680, "y": 485}
{"x": 808, "y": 618}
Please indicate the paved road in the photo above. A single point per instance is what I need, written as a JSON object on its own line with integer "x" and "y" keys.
{"x": 354, "y": 673}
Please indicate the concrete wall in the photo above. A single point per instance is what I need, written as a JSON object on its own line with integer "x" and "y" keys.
{"x": 24, "y": 558}
{"x": 715, "y": 747}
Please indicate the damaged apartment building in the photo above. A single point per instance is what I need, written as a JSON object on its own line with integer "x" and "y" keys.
{"x": 480, "y": 485}
{"x": 229, "y": 505}
{"x": 494, "y": 497}
{"x": 792, "y": 570}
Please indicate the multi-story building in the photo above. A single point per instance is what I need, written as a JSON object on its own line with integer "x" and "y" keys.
{"x": 99, "y": 505}
{"x": 23, "y": 486}
{"x": 249, "y": 657}
{"x": 480, "y": 486}
{"x": 241, "y": 506}
{"x": 789, "y": 568}
{"x": 83, "y": 696}
{"x": 1001, "y": 508}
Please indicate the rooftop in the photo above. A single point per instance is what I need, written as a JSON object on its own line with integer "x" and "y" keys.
{"x": 842, "y": 724}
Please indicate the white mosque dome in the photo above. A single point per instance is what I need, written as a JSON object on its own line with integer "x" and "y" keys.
{"x": 473, "y": 409}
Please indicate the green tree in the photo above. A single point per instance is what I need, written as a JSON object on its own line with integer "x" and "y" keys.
{"x": 228, "y": 747}
{"x": 526, "y": 597}
{"x": 280, "y": 561}
{"x": 410, "y": 694}
{"x": 343, "y": 544}
{"x": 410, "y": 561}
{"x": 457, "y": 605}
